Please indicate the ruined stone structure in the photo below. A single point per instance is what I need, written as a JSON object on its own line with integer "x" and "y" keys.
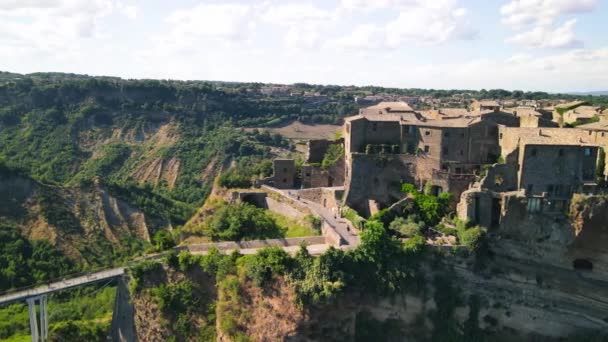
{"x": 284, "y": 175}
{"x": 315, "y": 175}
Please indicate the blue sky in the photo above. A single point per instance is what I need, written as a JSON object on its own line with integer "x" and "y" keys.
{"x": 551, "y": 45}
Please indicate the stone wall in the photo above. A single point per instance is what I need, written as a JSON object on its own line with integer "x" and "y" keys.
{"x": 317, "y": 148}
{"x": 317, "y": 176}
{"x": 377, "y": 177}
{"x": 327, "y": 197}
{"x": 556, "y": 169}
{"x": 500, "y": 178}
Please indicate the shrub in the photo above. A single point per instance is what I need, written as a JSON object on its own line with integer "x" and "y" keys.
{"x": 333, "y": 154}
{"x": 177, "y": 298}
{"x": 354, "y": 217}
{"x": 267, "y": 262}
{"x": 242, "y": 221}
{"x": 471, "y": 237}
{"x": 406, "y": 226}
{"x": 139, "y": 270}
{"x": 163, "y": 240}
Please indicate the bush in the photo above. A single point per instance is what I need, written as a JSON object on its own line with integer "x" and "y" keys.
{"x": 242, "y": 221}
{"x": 406, "y": 226}
{"x": 333, "y": 154}
{"x": 139, "y": 270}
{"x": 176, "y": 298}
{"x": 354, "y": 217}
{"x": 266, "y": 263}
{"x": 471, "y": 237}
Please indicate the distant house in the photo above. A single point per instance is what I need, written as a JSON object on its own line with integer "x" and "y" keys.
{"x": 581, "y": 115}
{"x": 485, "y": 105}
{"x": 276, "y": 91}
{"x": 387, "y": 108}
{"x": 531, "y": 117}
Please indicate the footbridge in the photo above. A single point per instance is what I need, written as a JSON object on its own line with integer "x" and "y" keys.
{"x": 37, "y": 296}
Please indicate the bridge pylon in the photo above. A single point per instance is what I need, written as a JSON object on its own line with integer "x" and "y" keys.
{"x": 39, "y": 324}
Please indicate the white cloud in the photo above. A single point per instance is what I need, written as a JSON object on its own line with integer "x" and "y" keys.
{"x": 418, "y": 22}
{"x": 518, "y": 13}
{"x": 430, "y": 25}
{"x": 219, "y": 22}
{"x": 48, "y": 25}
{"x": 537, "y": 19}
{"x": 547, "y": 37}
{"x": 293, "y": 14}
{"x": 363, "y": 37}
{"x": 303, "y": 24}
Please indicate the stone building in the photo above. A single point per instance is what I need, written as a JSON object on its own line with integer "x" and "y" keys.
{"x": 543, "y": 168}
{"x": 284, "y": 175}
{"x": 582, "y": 115}
{"x": 444, "y": 148}
{"x": 485, "y": 105}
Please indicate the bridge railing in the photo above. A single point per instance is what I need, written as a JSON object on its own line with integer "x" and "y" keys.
{"x": 54, "y": 280}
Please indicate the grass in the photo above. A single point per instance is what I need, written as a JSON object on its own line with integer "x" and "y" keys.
{"x": 293, "y": 228}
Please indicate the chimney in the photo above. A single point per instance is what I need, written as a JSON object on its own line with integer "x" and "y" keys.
{"x": 540, "y": 132}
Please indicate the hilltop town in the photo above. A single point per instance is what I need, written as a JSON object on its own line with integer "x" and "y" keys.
{"x": 507, "y": 165}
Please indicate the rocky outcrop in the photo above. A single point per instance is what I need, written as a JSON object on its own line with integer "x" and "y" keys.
{"x": 158, "y": 169}
{"x": 84, "y": 222}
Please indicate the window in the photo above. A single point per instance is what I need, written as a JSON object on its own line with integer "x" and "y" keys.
{"x": 534, "y": 205}
{"x": 446, "y": 134}
{"x": 444, "y": 167}
{"x": 561, "y": 152}
{"x": 589, "y": 132}
{"x": 462, "y": 135}
{"x": 461, "y": 152}
{"x": 602, "y": 134}
{"x": 533, "y": 152}
{"x": 550, "y": 188}
{"x": 458, "y": 170}
{"x": 307, "y": 174}
{"x": 587, "y": 151}
{"x": 427, "y": 149}
{"x": 374, "y": 127}
{"x": 284, "y": 180}
{"x": 500, "y": 136}
{"x": 445, "y": 150}
{"x": 427, "y": 133}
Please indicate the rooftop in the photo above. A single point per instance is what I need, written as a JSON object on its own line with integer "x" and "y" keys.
{"x": 551, "y": 136}
{"x": 488, "y": 103}
{"x": 584, "y": 111}
{"x": 397, "y": 106}
{"x": 570, "y": 104}
{"x": 523, "y": 111}
{"x": 595, "y": 126}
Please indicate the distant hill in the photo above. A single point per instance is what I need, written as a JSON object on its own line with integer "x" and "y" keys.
{"x": 590, "y": 93}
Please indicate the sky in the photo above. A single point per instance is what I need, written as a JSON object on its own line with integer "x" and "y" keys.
{"x": 546, "y": 45}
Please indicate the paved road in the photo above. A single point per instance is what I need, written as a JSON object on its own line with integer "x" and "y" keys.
{"x": 340, "y": 225}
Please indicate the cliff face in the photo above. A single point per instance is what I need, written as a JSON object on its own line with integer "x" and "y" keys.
{"x": 87, "y": 223}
